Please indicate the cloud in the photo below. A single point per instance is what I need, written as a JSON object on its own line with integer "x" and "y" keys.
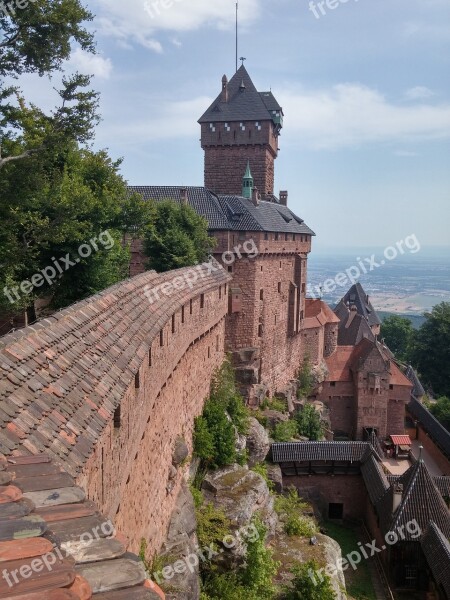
{"x": 142, "y": 20}
{"x": 419, "y": 93}
{"x": 351, "y": 115}
{"x": 91, "y": 64}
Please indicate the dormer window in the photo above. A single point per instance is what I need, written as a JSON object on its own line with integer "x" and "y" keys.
{"x": 227, "y": 127}
{"x": 212, "y": 127}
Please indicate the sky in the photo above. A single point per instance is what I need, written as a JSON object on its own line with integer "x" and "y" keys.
{"x": 365, "y": 88}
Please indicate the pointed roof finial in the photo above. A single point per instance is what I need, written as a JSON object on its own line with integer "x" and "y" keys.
{"x": 243, "y": 59}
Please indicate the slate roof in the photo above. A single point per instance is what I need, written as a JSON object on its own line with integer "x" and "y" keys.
{"x": 436, "y": 548}
{"x": 421, "y": 502}
{"x": 374, "y": 477}
{"x": 244, "y": 104}
{"x": 318, "y": 451}
{"x": 435, "y": 430}
{"x": 356, "y": 296}
{"x": 417, "y": 390}
{"x": 231, "y": 213}
{"x": 62, "y": 378}
{"x": 353, "y": 327}
{"x": 42, "y": 511}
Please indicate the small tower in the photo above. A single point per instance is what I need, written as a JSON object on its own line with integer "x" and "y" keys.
{"x": 247, "y": 183}
{"x": 241, "y": 123}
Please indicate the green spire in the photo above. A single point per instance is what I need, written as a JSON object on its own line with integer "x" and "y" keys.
{"x": 247, "y": 183}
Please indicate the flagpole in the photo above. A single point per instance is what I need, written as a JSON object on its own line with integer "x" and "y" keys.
{"x": 237, "y": 9}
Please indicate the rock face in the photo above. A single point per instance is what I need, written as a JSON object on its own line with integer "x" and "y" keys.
{"x": 181, "y": 541}
{"x": 276, "y": 477}
{"x": 180, "y": 453}
{"x": 241, "y": 494}
{"x": 258, "y": 443}
{"x": 274, "y": 417}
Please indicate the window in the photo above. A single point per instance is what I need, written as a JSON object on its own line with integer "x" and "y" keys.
{"x": 202, "y": 300}
{"x": 182, "y": 314}
{"x": 230, "y": 269}
{"x": 260, "y": 330}
{"x": 173, "y": 324}
{"x": 190, "y": 307}
{"x": 242, "y": 235}
{"x": 279, "y": 287}
{"x": 261, "y": 294}
{"x": 276, "y": 237}
{"x": 266, "y": 236}
{"x": 117, "y": 418}
{"x": 217, "y": 343}
{"x": 293, "y": 237}
{"x": 209, "y": 352}
{"x": 137, "y": 383}
{"x": 391, "y": 387}
{"x": 261, "y": 267}
{"x": 150, "y": 356}
{"x": 161, "y": 337}
{"x": 286, "y": 237}
{"x": 333, "y": 383}
{"x": 220, "y": 292}
{"x": 281, "y": 265}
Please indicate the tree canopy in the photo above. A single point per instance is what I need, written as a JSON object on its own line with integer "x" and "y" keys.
{"x": 441, "y": 410}
{"x": 431, "y": 349}
{"x": 176, "y": 237}
{"x": 398, "y": 334}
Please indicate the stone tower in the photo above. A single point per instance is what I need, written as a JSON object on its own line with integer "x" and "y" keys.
{"x": 240, "y": 128}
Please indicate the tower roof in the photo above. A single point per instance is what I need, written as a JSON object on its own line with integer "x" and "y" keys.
{"x": 357, "y": 297}
{"x": 248, "y": 173}
{"x": 244, "y": 102}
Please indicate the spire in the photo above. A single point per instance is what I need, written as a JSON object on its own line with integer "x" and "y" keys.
{"x": 247, "y": 183}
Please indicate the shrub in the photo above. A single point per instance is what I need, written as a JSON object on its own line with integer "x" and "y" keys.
{"x": 274, "y": 404}
{"x": 261, "y": 469}
{"x": 285, "y": 431}
{"x": 299, "y": 526}
{"x": 289, "y": 507}
{"x": 309, "y": 423}
{"x": 305, "y": 379}
{"x": 303, "y": 587}
{"x": 212, "y": 525}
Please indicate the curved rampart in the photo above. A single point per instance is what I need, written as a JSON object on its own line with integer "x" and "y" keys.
{"x": 106, "y": 386}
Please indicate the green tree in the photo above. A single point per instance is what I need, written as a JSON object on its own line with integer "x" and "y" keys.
{"x": 398, "y": 334}
{"x": 176, "y": 237}
{"x": 308, "y": 421}
{"x": 307, "y": 585}
{"x": 441, "y": 410}
{"x": 305, "y": 378}
{"x": 260, "y": 567}
{"x": 431, "y": 349}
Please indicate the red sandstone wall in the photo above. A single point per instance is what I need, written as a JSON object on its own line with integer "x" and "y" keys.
{"x": 127, "y": 475}
{"x": 348, "y": 490}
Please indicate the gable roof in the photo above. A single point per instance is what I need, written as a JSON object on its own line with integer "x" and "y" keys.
{"x": 436, "y": 548}
{"x": 230, "y": 213}
{"x": 245, "y": 103}
{"x": 421, "y": 502}
{"x": 356, "y": 296}
{"x": 325, "y": 451}
{"x": 418, "y": 390}
{"x": 318, "y": 313}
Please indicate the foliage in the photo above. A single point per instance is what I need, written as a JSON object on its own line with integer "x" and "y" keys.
{"x": 305, "y": 378}
{"x": 290, "y": 507}
{"x": 212, "y": 525}
{"x": 261, "y": 469}
{"x": 441, "y": 410}
{"x": 296, "y": 525}
{"x": 176, "y": 237}
{"x": 285, "y": 431}
{"x": 302, "y": 586}
{"x": 223, "y": 414}
{"x": 431, "y": 349}
{"x": 49, "y": 206}
{"x": 273, "y": 404}
{"x": 398, "y": 335}
{"x": 253, "y": 581}
{"x": 308, "y": 422}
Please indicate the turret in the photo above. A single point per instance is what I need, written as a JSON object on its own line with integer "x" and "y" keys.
{"x": 247, "y": 183}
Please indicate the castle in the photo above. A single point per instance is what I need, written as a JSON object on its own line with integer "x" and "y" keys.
{"x": 97, "y": 400}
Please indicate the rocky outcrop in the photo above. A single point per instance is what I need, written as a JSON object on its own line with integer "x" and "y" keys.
{"x": 241, "y": 494}
{"x": 181, "y": 542}
{"x": 274, "y": 417}
{"x": 275, "y": 475}
{"x": 180, "y": 453}
{"x": 258, "y": 443}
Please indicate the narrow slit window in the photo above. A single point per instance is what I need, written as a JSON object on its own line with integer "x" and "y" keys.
{"x": 137, "y": 381}
{"x": 202, "y": 300}
{"x": 117, "y": 418}
{"x": 161, "y": 337}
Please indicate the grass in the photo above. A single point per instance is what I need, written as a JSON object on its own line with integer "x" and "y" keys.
{"x": 359, "y": 583}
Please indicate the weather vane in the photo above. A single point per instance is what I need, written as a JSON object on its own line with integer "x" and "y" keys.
{"x": 243, "y": 59}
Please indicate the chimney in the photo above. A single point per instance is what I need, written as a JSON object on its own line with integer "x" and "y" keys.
{"x": 284, "y": 198}
{"x": 184, "y": 195}
{"x": 224, "y": 97}
{"x": 397, "y": 496}
{"x": 256, "y": 196}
